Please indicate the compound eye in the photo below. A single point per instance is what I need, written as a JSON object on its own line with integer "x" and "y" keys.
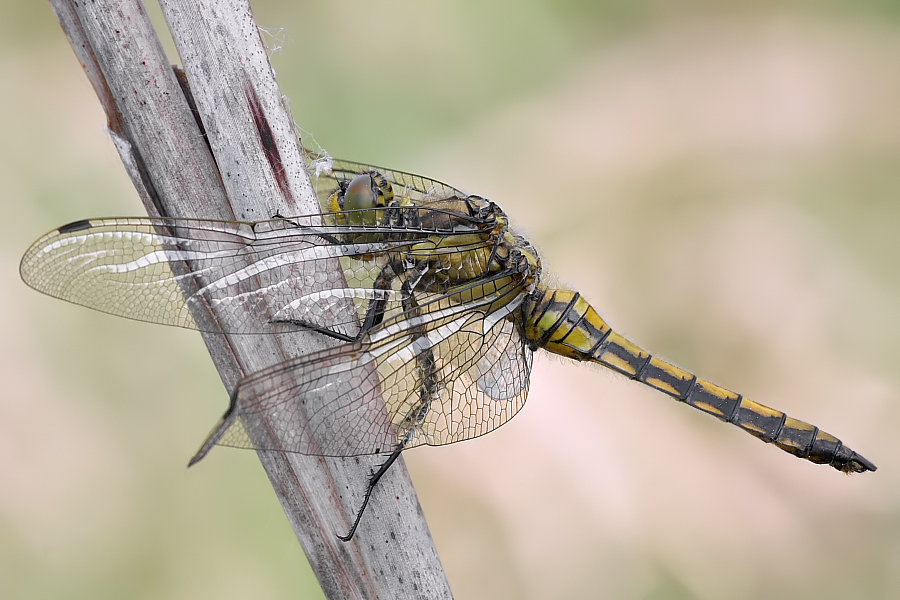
{"x": 359, "y": 197}
{"x": 360, "y": 193}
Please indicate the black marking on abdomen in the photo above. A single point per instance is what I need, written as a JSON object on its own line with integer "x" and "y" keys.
{"x": 563, "y": 315}
{"x": 712, "y": 403}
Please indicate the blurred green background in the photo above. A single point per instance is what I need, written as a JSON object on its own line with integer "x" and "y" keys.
{"x": 721, "y": 180}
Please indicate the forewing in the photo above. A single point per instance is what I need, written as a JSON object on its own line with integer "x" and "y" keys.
{"x": 255, "y": 277}
{"x": 266, "y": 277}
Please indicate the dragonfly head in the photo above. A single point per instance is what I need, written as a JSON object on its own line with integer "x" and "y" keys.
{"x": 364, "y": 193}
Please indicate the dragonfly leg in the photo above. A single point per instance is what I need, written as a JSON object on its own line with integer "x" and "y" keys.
{"x": 325, "y": 236}
{"x": 337, "y": 335}
{"x": 428, "y": 387}
{"x": 374, "y": 311}
{"x": 373, "y": 481}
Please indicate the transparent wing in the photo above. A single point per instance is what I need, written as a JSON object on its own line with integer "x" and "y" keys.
{"x": 264, "y": 277}
{"x": 453, "y": 373}
{"x": 327, "y": 175}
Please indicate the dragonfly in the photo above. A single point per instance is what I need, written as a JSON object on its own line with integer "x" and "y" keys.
{"x": 437, "y": 304}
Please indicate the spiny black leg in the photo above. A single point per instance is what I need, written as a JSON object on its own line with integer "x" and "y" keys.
{"x": 325, "y": 236}
{"x": 318, "y": 329}
{"x": 429, "y": 383}
{"x": 372, "y": 481}
{"x": 374, "y": 316}
{"x": 427, "y": 391}
{"x": 374, "y": 312}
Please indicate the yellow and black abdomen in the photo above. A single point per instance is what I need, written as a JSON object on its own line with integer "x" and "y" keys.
{"x": 562, "y": 322}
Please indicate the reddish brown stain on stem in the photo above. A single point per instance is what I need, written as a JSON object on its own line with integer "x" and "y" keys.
{"x": 267, "y": 140}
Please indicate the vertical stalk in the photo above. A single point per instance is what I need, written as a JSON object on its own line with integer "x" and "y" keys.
{"x": 245, "y": 163}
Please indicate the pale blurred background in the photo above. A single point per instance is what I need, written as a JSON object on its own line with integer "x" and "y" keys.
{"x": 721, "y": 180}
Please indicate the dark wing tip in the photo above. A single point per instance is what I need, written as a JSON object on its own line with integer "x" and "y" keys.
{"x": 211, "y": 440}
{"x": 75, "y": 226}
